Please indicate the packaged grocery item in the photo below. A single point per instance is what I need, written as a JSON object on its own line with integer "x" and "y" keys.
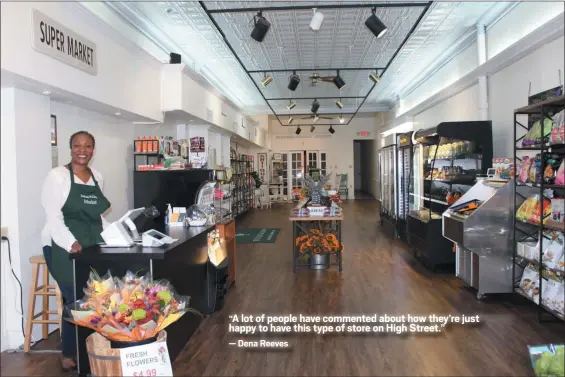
{"x": 560, "y": 175}
{"x": 535, "y": 170}
{"x": 529, "y": 284}
{"x": 554, "y": 251}
{"x": 526, "y": 208}
{"x": 549, "y": 291}
{"x": 558, "y": 129}
{"x": 561, "y": 263}
{"x": 558, "y": 210}
{"x": 528, "y": 250}
{"x": 525, "y": 169}
{"x": 534, "y": 216}
{"x": 538, "y": 133}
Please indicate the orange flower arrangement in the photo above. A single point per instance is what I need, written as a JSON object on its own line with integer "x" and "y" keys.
{"x": 316, "y": 242}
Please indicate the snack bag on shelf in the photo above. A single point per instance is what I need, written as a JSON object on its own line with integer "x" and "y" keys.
{"x": 558, "y": 129}
{"x": 560, "y": 175}
{"x": 534, "y": 216}
{"x": 560, "y": 298}
{"x": 535, "y": 170}
{"x": 529, "y": 284}
{"x": 526, "y": 208}
{"x": 525, "y": 169}
{"x": 548, "y": 293}
{"x": 558, "y": 210}
{"x": 561, "y": 263}
{"x": 554, "y": 251}
{"x": 530, "y": 138}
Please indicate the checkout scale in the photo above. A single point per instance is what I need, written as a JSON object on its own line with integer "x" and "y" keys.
{"x": 124, "y": 233}
{"x": 480, "y": 224}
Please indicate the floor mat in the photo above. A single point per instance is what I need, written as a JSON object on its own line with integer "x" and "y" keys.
{"x": 257, "y": 235}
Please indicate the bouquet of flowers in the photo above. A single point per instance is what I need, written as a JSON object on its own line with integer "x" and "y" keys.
{"x": 317, "y": 242}
{"x": 129, "y": 309}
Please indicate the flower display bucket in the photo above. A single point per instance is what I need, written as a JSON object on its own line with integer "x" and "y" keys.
{"x": 104, "y": 360}
{"x": 320, "y": 261}
{"x": 115, "y": 344}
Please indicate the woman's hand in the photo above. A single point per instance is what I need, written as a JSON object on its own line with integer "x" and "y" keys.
{"x": 76, "y": 248}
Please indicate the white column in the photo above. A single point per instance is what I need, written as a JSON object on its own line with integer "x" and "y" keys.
{"x": 483, "y": 82}
{"x": 26, "y": 160}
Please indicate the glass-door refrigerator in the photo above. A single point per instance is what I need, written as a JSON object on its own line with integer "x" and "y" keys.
{"x": 387, "y": 173}
{"x": 403, "y": 167}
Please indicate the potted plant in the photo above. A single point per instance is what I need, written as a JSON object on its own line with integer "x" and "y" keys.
{"x": 129, "y": 311}
{"x": 257, "y": 179}
{"x": 316, "y": 246}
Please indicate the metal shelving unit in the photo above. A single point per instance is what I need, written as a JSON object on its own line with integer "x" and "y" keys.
{"x": 243, "y": 188}
{"x": 524, "y": 231}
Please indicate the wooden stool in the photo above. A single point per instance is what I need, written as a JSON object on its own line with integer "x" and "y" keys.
{"x": 46, "y": 291}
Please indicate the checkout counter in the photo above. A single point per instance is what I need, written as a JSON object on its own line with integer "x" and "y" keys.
{"x": 481, "y": 225}
{"x": 184, "y": 263}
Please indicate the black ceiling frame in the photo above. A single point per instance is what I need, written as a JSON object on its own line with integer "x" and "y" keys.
{"x": 210, "y": 12}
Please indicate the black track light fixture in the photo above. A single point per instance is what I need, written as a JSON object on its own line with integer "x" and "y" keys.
{"x": 375, "y": 25}
{"x": 338, "y": 81}
{"x": 298, "y": 130}
{"x": 312, "y": 128}
{"x": 293, "y": 81}
{"x": 260, "y": 28}
{"x": 331, "y": 130}
{"x": 315, "y": 106}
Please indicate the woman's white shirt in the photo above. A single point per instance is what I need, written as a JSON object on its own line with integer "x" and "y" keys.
{"x": 54, "y": 194}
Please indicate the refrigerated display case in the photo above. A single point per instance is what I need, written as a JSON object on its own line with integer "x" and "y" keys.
{"x": 446, "y": 162}
{"x": 480, "y": 223}
{"x": 404, "y": 165}
{"x": 387, "y": 173}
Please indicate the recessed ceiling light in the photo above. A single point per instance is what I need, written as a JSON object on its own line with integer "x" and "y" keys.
{"x": 118, "y": 113}
{"x": 46, "y": 93}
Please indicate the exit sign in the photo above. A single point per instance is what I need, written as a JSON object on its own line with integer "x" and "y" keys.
{"x": 363, "y": 133}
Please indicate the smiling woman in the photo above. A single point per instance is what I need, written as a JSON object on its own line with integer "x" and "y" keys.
{"x": 74, "y": 203}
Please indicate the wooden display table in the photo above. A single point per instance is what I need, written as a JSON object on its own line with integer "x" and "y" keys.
{"x": 302, "y": 224}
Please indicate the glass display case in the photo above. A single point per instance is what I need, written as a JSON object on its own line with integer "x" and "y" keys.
{"x": 446, "y": 162}
{"x": 403, "y": 168}
{"x": 387, "y": 172}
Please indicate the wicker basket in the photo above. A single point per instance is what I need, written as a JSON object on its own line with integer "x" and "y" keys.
{"x": 104, "y": 360}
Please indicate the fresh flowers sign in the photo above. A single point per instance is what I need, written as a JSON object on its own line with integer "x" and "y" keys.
{"x": 129, "y": 309}
{"x": 146, "y": 361}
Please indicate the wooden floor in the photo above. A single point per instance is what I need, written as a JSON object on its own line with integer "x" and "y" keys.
{"x": 379, "y": 276}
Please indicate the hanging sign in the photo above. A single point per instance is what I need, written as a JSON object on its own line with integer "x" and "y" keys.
{"x": 148, "y": 360}
{"x": 53, "y": 39}
{"x": 262, "y": 162}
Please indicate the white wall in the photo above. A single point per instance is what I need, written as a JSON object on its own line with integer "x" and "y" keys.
{"x": 524, "y": 18}
{"x": 461, "y": 107}
{"x": 113, "y": 156}
{"x": 508, "y": 89}
{"x": 25, "y": 137}
{"x": 456, "y": 68}
{"x": 128, "y": 78}
{"x": 339, "y": 146}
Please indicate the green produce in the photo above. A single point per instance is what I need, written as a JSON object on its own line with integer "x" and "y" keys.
{"x": 549, "y": 364}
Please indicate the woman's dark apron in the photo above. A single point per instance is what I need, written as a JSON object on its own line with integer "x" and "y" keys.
{"x": 82, "y": 215}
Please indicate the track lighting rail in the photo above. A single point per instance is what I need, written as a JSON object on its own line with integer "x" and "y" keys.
{"x": 314, "y": 70}
{"x": 305, "y": 98}
{"x": 340, "y": 83}
{"x": 319, "y": 6}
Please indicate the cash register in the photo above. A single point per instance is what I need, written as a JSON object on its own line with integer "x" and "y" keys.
{"x": 122, "y": 233}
